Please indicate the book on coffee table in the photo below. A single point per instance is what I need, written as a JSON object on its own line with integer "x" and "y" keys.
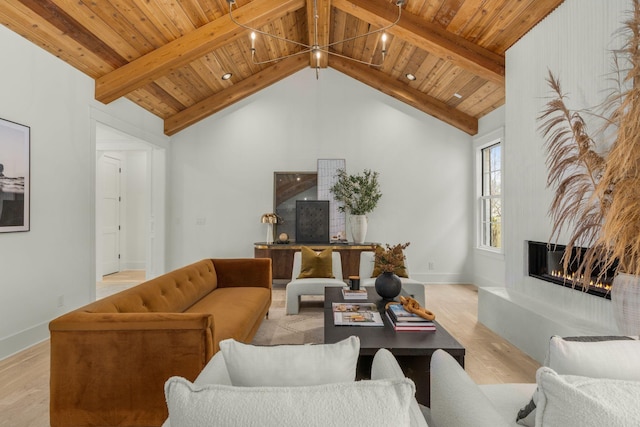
{"x": 350, "y": 294}
{"x": 357, "y": 318}
{"x": 354, "y": 314}
{"x": 399, "y": 314}
{"x": 426, "y": 326}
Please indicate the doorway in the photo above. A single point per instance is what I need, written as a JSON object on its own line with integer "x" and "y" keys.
{"x": 130, "y": 185}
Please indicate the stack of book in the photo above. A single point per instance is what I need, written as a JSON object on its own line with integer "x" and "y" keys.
{"x": 350, "y": 294}
{"x": 402, "y": 320}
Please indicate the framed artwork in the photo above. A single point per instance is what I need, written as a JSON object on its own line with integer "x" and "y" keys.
{"x": 15, "y": 141}
{"x": 312, "y": 221}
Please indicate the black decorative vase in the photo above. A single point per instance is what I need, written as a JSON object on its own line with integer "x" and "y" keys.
{"x": 388, "y": 285}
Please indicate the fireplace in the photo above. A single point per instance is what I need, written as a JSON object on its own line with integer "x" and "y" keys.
{"x": 545, "y": 263}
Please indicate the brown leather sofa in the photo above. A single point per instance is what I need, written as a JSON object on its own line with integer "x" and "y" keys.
{"x": 111, "y": 358}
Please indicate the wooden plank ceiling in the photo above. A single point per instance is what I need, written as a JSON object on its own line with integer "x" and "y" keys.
{"x": 168, "y": 56}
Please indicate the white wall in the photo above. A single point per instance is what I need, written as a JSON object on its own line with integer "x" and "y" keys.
{"x": 54, "y": 262}
{"x": 222, "y": 171}
{"x": 574, "y": 42}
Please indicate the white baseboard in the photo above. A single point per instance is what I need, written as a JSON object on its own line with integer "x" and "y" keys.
{"x": 440, "y": 278}
{"x": 17, "y": 342}
{"x": 132, "y": 265}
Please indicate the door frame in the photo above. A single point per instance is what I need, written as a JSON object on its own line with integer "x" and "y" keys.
{"x": 156, "y": 148}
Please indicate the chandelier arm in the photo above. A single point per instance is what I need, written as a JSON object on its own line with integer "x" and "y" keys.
{"x": 282, "y": 57}
{"x": 371, "y": 64}
{"x": 246, "y": 27}
{"x": 379, "y": 30}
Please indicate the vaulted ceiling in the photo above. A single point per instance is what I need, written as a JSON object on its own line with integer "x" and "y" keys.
{"x": 168, "y": 56}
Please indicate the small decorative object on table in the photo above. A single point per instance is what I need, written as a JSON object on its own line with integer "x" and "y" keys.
{"x": 269, "y": 219}
{"x": 283, "y": 238}
{"x": 388, "y": 263}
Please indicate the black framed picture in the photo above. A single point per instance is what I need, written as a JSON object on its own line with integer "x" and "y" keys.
{"x": 15, "y": 140}
{"x": 312, "y": 221}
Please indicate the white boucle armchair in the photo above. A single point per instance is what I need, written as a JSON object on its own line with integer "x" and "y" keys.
{"x": 310, "y": 286}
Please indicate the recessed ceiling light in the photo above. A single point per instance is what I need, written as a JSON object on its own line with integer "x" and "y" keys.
{"x": 226, "y": 76}
{"x": 410, "y": 76}
{"x": 457, "y": 95}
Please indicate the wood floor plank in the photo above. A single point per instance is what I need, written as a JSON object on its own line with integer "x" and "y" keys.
{"x": 490, "y": 359}
{"x": 24, "y": 377}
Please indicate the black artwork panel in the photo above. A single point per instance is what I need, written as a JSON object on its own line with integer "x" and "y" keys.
{"x": 312, "y": 221}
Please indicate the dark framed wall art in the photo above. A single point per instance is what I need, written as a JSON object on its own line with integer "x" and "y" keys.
{"x": 15, "y": 141}
{"x": 312, "y": 221}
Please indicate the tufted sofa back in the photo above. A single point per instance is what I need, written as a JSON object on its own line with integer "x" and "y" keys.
{"x": 173, "y": 292}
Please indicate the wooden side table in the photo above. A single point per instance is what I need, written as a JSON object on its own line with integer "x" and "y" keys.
{"x": 282, "y": 256}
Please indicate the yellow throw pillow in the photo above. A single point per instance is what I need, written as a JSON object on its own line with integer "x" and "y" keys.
{"x": 316, "y": 265}
{"x": 400, "y": 271}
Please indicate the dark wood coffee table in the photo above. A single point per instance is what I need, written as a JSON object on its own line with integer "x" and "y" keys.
{"x": 412, "y": 350}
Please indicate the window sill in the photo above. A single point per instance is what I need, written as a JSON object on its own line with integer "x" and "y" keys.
{"x": 491, "y": 253}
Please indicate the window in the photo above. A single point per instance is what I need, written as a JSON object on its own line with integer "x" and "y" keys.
{"x": 491, "y": 197}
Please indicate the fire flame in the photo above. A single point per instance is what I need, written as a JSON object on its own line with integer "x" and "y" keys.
{"x": 572, "y": 277}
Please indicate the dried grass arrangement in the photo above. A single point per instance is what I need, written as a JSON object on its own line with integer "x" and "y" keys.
{"x": 391, "y": 259}
{"x": 597, "y": 193}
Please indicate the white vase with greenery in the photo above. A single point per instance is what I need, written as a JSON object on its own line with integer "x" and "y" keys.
{"x": 358, "y": 225}
{"x": 358, "y": 195}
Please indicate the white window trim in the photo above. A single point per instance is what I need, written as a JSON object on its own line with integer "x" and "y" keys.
{"x": 479, "y": 143}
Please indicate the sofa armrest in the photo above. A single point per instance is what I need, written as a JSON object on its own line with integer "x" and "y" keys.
{"x": 385, "y": 366}
{"x": 242, "y": 272}
{"x": 456, "y": 400}
{"x": 123, "y": 359}
{"x": 89, "y": 321}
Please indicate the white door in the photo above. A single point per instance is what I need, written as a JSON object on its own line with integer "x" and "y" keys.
{"x": 110, "y": 177}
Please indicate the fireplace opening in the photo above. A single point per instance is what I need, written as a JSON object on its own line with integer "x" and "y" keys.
{"x": 546, "y": 263}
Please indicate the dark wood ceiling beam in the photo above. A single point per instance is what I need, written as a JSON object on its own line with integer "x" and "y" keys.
{"x": 324, "y": 26}
{"x": 406, "y": 94}
{"x": 429, "y": 37}
{"x": 235, "y": 93}
{"x": 189, "y": 47}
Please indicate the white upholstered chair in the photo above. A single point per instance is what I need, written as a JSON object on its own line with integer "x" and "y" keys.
{"x": 410, "y": 286}
{"x": 311, "y": 286}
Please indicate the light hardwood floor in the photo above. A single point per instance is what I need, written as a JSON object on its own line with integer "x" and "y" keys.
{"x": 24, "y": 377}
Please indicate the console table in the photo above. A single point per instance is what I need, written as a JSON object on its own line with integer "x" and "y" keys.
{"x": 281, "y": 255}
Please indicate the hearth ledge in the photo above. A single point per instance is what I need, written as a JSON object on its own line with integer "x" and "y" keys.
{"x": 528, "y": 323}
